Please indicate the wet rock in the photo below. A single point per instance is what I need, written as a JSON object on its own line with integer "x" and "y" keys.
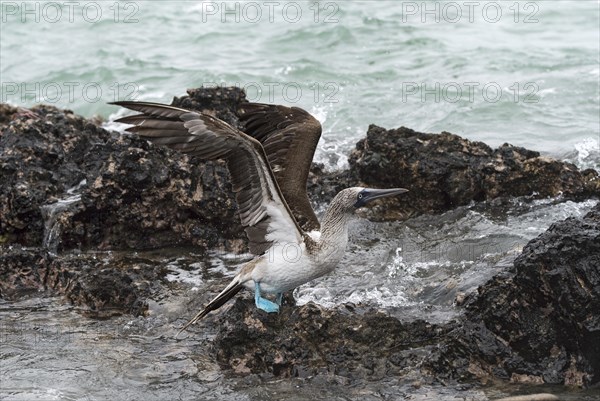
{"x": 162, "y": 197}
{"x": 121, "y": 192}
{"x": 34, "y": 169}
{"x": 311, "y": 340}
{"x": 221, "y": 102}
{"x": 126, "y": 186}
{"x": 536, "y": 323}
{"x": 22, "y": 271}
{"x": 444, "y": 171}
{"x": 356, "y": 344}
{"x": 543, "y": 313}
{"x": 101, "y": 286}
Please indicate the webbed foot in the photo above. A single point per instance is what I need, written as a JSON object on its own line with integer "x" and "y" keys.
{"x": 262, "y": 303}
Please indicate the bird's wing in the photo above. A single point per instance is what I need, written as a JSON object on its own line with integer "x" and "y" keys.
{"x": 263, "y": 210}
{"x": 289, "y": 136}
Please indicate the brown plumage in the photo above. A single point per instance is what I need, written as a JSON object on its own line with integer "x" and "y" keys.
{"x": 210, "y": 138}
{"x": 269, "y": 167}
{"x": 289, "y": 136}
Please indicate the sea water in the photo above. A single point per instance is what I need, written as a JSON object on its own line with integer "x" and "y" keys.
{"x": 522, "y": 72}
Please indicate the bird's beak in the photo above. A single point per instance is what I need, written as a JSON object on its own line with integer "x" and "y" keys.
{"x": 368, "y": 195}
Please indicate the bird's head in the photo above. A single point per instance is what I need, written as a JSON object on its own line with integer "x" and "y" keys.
{"x": 357, "y": 197}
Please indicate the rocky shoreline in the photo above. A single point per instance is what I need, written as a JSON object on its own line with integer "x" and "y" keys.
{"x": 536, "y": 322}
{"x": 68, "y": 186}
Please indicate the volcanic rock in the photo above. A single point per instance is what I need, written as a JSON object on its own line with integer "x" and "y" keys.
{"x": 101, "y": 285}
{"x": 221, "y": 102}
{"x": 543, "y": 313}
{"x": 125, "y": 185}
{"x": 67, "y": 184}
{"x": 537, "y": 322}
{"x": 444, "y": 171}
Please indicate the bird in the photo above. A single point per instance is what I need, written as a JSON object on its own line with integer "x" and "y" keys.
{"x": 268, "y": 162}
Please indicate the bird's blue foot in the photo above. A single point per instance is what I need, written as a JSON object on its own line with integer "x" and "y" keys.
{"x": 262, "y": 303}
{"x": 279, "y": 298}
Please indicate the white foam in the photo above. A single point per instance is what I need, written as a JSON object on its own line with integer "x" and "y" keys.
{"x": 378, "y": 296}
{"x": 76, "y": 188}
{"x": 588, "y": 153}
{"x": 397, "y": 264}
{"x": 284, "y": 70}
{"x": 381, "y": 296}
{"x": 545, "y": 92}
{"x": 392, "y": 293}
{"x": 320, "y": 113}
{"x": 111, "y": 125}
{"x": 177, "y": 274}
{"x": 51, "y": 213}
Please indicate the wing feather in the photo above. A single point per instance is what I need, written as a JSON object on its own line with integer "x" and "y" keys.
{"x": 289, "y": 136}
{"x": 263, "y": 210}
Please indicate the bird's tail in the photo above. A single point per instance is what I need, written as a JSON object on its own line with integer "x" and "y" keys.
{"x": 229, "y": 292}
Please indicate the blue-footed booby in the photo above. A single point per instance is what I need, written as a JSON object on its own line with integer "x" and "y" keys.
{"x": 269, "y": 165}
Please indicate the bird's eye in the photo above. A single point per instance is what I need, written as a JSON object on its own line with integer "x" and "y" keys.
{"x": 359, "y": 196}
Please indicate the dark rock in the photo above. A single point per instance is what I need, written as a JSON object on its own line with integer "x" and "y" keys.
{"x": 159, "y": 195}
{"x": 309, "y": 340}
{"x": 101, "y": 286}
{"x": 123, "y": 193}
{"x": 22, "y": 272}
{"x": 537, "y": 322}
{"x": 221, "y": 102}
{"x": 545, "y": 309}
{"x": 444, "y": 171}
{"x": 35, "y": 168}
{"x": 348, "y": 342}
{"x": 126, "y": 186}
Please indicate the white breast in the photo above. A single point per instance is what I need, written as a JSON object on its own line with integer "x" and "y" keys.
{"x": 287, "y": 266}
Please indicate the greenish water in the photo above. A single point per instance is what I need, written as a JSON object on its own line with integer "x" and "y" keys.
{"x": 519, "y": 72}
{"x": 351, "y": 64}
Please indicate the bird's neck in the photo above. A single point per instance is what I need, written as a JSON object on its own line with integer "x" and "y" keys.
{"x": 334, "y": 228}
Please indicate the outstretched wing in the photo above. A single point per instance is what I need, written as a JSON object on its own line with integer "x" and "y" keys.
{"x": 289, "y": 136}
{"x": 263, "y": 210}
